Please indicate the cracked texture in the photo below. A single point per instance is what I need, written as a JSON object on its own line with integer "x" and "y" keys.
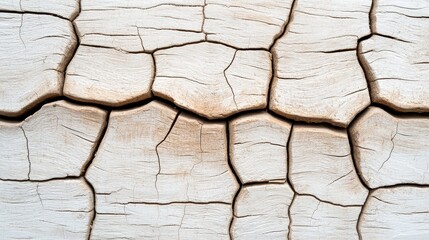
{"x": 130, "y": 158}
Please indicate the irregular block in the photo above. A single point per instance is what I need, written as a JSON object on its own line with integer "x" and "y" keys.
{"x": 318, "y": 77}
{"x": 390, "y": 149}
{"x": 172, "y": 221}
{"x": 64, "y": 8}
{"x": 261, "y": 212}
{"x": 34, "y": 51}
{"x": 58, "y": 209}
{"x": 321, "y": 165}
{"x": 245, "y": 24}
{"x": 213, "y": 80}
{"x": 396, "y": 56}
{"x": 258, "y": 147}
{"x": 312, "y": 219}
{"x": 57, "y": 141}
{"x": 151, "y": 156}
{"x": 115, "y": 78}
{"x": 396, "y": 213}
{"x": 136, "y": 26}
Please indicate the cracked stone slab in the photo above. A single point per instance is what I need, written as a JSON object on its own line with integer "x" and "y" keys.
{"x": 396, "y": 57}
{"x": 34, "y": 51}
{"x": 172, "y": 221}
{"x": 312, "y": 219}
{"x": 57, "y": 209}
{"x": 152, "y": 155}
{"x": 136, "y": 26}
{"x": 57, "y": 141}
{"x": 245, "y": 24}
{"x": 261, "y": 212}
{"x": 390, "y": 149}
{"x": 318, "y": 77}
{"x": 109, "y": 76}
{"x": 258, "y": 147}
{"x": 396, "y": 213}
{"x": 213, "y": 80}
{"x": 68, "y": 9}
{"x": 321, "y": 165}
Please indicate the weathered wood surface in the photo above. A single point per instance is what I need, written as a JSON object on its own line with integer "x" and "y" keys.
{"x": 63, "y": 8}
{"x": 390, "y": 149}
{"x": 219, "y": 80}
{"x": 262, "y": 212}
{"x": 312, "y": 219}
{"x": 397, "y": 56}
{"x": 318, "y": 77}
{"x": 109, "y": 76}
{"x": 34, "y": 51}
{"x": 57, "y": 209}
{"x": 258, "y": 147}
{"x": 396, "y": 213}
{"x": 135, "y": 26}
{"x": 155, "y": 168}
{"x": 57, "y": 141}
{"x": 321, "y": 165}
{"x": 245, "y": 24}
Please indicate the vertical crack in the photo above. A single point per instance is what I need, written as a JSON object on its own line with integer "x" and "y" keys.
{"x": 289, "y": 233}
{"x": 393, "y": 146}
{"x": 140, "y": 37}
{"x": 284, "y": 30}
{"x": 20, "y": 30}
{"x": 360, "y": 216}
{"x": 28, "y": 153}
{"x": 97, "y": 143}
{"x": 204, "y": 20}
{"x": 38, "y": 195}
{"x": 226, "y": 78}
{"x": 233, "y": 170}
{"x": 157, "y": 153}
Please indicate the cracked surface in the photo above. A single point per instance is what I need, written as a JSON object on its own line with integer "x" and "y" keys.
{"x": 55, "y": 142}
{"x": 34, "y": 50}
{"x": 219, "y": 80}
{"x": 401, "y": 145}
{"x": 57, "y": 209}
{"x": 195, "y": 119}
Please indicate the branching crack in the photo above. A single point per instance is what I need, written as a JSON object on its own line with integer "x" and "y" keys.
{"x": 141, "y": 39}
{"x": 157, "y": 153}
{"x": 393, "y": 147}
{"x": 226, "y": 78}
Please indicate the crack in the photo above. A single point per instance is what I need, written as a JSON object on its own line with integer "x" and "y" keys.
{"x": 28, "y": 152}
{"x": 393, "y": 146}
{"x": 204, "y": 20}
{"x": 234, "y": 172}
{"x": 140, "y": 37}
{"x": 157, "y": 153}
{"x": 289, "y": 234}
{"x": 343, "y": 176}
{"x": 360, "y": 217}
{"x": 226, "y": 78}
{"x": 181, "y": 222}
{"x": 22, "y": 12}
{"x": 328, "y": 202}
{"x": 171, "y": 203}
{"x": 274, "y": 57}
{"x": 353, "y": 158}
{"x": 97, "y": 143}
{"x": 38, "y": 195}
{"x": 20, "y": 30}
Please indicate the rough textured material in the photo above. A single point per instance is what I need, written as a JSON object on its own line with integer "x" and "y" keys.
{"x": 57, "y": 141}
{"x": 58, "y": 209}
{"x": 115, "y": 78}
{"x": 385, "y": 145}
{"x": 269, "y": 220}
{"x": 318, "y": 77}
{"x": 34, "y": 51}
{"x": 210, "y": 119}
{"x": 258, "y": 147}
{"x": 312, "y": 219}
{"x": 321, "y": 165}
{"x": 396, "y": 57}
{"x": 396, "y": 213}
{"x": 63, "y": 8}
{"x": 234, "y": 80}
